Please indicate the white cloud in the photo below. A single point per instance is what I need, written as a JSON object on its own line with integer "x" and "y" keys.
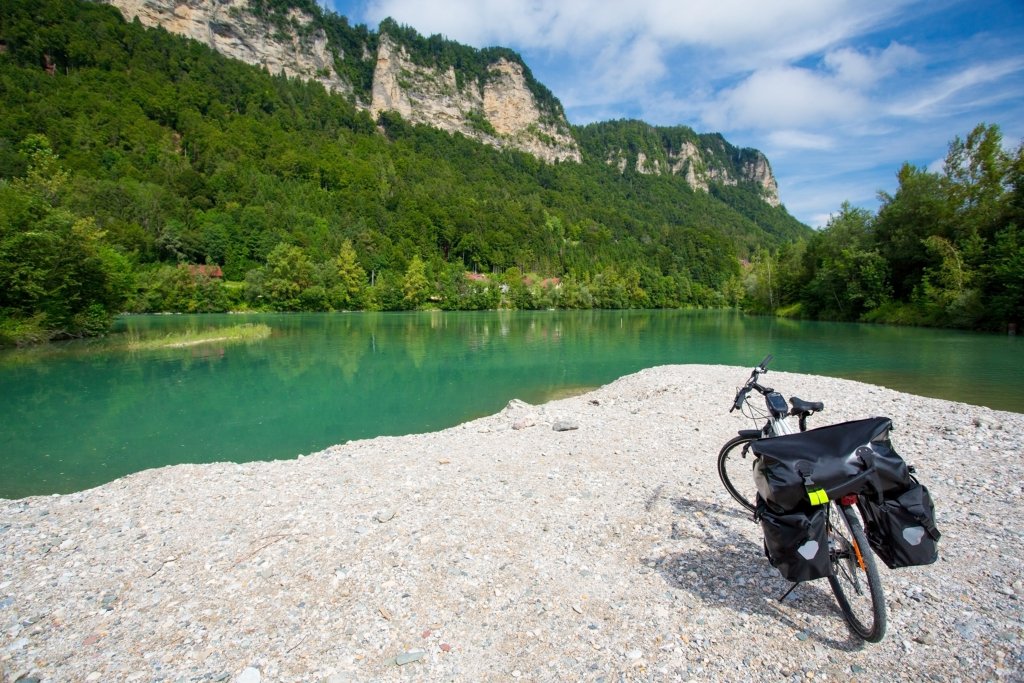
{"x": 863, "y": 69}
{"x": 784, "y": 98}
{"x": 944, "y": 92}
{"x": 795, "y": 139}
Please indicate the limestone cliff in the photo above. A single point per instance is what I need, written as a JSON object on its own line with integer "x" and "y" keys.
{"x": 229, "y": 27}
{"x": 498, "y": 109}
{"x": 700, "y": 159}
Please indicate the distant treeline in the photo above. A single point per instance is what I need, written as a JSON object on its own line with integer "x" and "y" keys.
{"x": 946, "y": 250}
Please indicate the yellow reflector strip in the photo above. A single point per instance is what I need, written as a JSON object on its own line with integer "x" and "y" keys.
{"x": 818, "y": 496}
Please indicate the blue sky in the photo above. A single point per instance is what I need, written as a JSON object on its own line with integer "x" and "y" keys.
{"x": 837, "y": 93}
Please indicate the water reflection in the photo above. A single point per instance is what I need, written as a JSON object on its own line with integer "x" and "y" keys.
{"x": 82, "y": 415}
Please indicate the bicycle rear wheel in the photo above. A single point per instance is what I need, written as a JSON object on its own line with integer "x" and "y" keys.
{"x": 735, "y": 468}
{"x": 855, "y": 579}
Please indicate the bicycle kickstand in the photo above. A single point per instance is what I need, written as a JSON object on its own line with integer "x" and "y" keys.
{"x": 786, "y": 594}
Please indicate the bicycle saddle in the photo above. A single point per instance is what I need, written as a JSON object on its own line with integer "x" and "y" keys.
{"x": 802, "y": 406}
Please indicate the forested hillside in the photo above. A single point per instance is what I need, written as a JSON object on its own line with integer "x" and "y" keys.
{"x": 150, "y": 153}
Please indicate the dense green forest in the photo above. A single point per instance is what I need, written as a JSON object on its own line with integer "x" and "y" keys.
{"x": 140, "y": 171}
{"x": 946, "y": 249}
{"x": 136, "y": 155}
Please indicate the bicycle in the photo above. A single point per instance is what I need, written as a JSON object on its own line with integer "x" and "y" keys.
{"x": 776, "y": 416}
{"x": 854, "y": 574}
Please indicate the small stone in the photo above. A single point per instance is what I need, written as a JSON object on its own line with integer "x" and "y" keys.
{"x": 250, "y": 674}
{"x": 385, "y": 516}
{"x": 445, "y": 647}
{"x": 409, "y": 657}
{"x": 523, "y": 423}
{"x": 565, "y": 425}
{"x": 802, "y": 635}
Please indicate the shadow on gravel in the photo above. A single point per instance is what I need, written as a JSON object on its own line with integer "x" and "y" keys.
{"x": 728, "y": 569}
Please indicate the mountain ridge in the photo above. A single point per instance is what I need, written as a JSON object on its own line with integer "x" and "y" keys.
{"x": 489, "y": 95}
{"x": 134, "y": 154}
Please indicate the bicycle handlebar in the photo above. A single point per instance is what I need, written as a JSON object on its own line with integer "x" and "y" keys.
{"x": 751, "y": 383}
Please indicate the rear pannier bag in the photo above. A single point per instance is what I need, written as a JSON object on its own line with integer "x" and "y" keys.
{"x": 901, "y": 529}
{"x": 833, "y": 460}
{"x": 795, "y": 542}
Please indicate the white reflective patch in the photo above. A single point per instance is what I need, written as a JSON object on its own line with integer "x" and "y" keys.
{"x": 808, "y": 550}
{"x": 913, "y": 534}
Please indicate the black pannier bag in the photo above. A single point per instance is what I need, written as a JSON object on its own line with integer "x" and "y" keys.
{"x": 828, "y": 462}
{"x": 795, "y": 542}
{"x": 901, "y": 529}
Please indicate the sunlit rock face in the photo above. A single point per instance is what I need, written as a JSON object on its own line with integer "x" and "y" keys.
{"x": 502, "y": 111}
{"x": 228, "y": 27}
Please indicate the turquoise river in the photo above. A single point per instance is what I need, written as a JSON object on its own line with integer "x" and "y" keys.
{"x": 77, "y": 415}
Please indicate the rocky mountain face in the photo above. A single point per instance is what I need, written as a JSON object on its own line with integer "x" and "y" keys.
{"x": 701, "y": 168}
{"x": 497, "y": 105}
{"x": 700, "y": 159}
{"x": 229, "y": 27}
{"x": 500, "y": 111}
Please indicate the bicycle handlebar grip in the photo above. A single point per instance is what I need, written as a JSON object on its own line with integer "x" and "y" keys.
{"x": 766, "y": 361}
{"x": 740, "y": 397}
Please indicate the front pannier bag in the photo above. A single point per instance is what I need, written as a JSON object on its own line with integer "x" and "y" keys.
{"x": 824, "y": 463}
{"x": 795, "y": 542}
{"x": 901, "y": 529}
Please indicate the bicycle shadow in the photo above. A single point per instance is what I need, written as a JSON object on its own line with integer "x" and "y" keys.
{"x": 728, "y": 568}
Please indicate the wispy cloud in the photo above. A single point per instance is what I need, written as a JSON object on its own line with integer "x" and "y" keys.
{"x": 945, "y": 91}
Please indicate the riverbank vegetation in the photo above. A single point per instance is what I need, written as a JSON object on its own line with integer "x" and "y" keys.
{"x": 194, "y": 337}
{"x": 946, "y": 249}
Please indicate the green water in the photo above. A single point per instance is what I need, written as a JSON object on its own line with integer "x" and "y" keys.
{"x": 84, "y": 414}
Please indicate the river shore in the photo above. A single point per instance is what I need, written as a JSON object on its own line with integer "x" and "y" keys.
{"x": 584, "y": 539}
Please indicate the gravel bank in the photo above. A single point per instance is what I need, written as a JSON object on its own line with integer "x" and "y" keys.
{"x": 503, "y": 549}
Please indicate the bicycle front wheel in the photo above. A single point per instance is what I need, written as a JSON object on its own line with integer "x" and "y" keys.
{"x": 735, "y": 468}
{"x": 855, "y": 579}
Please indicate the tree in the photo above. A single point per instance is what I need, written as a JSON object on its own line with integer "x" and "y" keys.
{"x": 977, "y": 170}
{"x": 848, "y": 276}
{"x": 289, "y": 273}
{"x": 58, "y": 276}
{"x": 415, "y": 286}
{"x": 761, "y": 284}
{"x": 350, "y": 290}
{"x": 920, "y": 208}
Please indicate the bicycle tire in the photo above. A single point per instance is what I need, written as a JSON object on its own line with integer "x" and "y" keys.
{"x": 737, "y": 457}
{"x": 855, "y": 580}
